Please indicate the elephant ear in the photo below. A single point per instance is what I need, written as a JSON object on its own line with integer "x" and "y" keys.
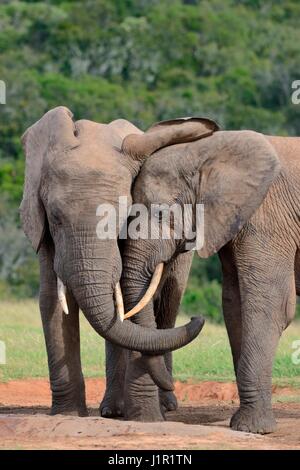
{"x": 164, "y": 133}
{"x": 238, "y": 169}
{"x": 54, "y": 132}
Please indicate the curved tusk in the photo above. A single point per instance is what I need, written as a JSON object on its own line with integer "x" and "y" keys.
{"x": 150, "y": 291}
{"x": 61, "y": 293}
{"x": 119, "y": 301}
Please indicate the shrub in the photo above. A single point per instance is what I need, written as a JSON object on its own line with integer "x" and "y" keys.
{"x": 205, "y": 300}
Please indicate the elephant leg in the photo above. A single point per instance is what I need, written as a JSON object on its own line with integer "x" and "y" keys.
{"x": 112, "y": 404}
{"x": 62, "y": 341}
{"x": 267, "y": 289}
{"x": 297, "y": 272}
{"x": 166, "y": 307}
{"x": 141, "y": 394}
{"x": 231, "y": 303}
{"x": 168, "y": 400}
{"x": 144, "y": 401}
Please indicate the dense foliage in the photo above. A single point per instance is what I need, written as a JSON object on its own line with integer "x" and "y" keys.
{"x": 144, "y": 60}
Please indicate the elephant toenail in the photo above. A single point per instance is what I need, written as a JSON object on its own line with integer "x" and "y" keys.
{"x": 244, "y": 428}
{"x": 106, "y": 412}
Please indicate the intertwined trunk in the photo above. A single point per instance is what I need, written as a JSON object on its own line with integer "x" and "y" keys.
{"x": 92, "y": 277}
{"x": 136, "y": 277}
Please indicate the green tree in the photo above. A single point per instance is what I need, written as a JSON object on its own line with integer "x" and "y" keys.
{"x": 144, "y": 60}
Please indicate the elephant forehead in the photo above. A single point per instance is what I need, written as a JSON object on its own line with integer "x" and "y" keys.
{"x": 159, "y": 179}
{"x": 99, "y": 145}
{"x": 74, "y": 173}
{"x": 86, "y": 130}
{"x": 98, "y": 151}
{"x": 96, "y": 156}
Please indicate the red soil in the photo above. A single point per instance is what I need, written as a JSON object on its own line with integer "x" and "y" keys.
{"x": 202, "y": 421}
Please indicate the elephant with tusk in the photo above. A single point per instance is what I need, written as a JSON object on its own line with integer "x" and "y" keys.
{"x": 72, "y": 168}
{"x": 249, "y": 185}
{"x": 61, "y": 294}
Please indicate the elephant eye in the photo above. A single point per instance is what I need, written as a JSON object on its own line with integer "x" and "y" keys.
{"x": 55, "y": 218}
{"x": 161, "y": 214}
{"x": 157, "y": 214}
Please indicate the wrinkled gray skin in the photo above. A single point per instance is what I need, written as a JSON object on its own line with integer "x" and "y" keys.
{"x": 250, "y": 187}
{"x": 71, "y": 168}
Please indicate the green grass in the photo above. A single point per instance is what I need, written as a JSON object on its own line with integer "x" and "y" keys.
{"x": 207, "y": 358}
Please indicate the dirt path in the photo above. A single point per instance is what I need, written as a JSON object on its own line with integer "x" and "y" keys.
{"x": 200, "y": 423}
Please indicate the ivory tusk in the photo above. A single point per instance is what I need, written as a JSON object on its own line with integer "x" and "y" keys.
{"x": 61, "y": 293}
{"x": 119, "y": 302}
{"x": 150, "y": 291}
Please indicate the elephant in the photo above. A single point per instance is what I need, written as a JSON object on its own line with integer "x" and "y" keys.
{"x": 71, "y": 168}
{"x": 249, "y": 185}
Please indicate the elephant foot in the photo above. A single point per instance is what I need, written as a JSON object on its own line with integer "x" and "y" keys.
{"x": 144, "y": 407}
{"x": 168, "y": 401}
{"x": 111, "y": 407}
{"x": 68, "y": 400}
{"x": 145, "y": 416}
{"x": 69, "y": 411}
{"x": 254, "y": 420}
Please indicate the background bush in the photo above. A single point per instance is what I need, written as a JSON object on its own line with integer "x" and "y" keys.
{"x": 144, "y": 60}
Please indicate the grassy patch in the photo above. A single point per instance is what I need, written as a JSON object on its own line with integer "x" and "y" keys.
{"x": 207, "y": 358}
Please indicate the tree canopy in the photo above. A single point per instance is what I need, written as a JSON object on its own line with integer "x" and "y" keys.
{"x": 143, "y": 60}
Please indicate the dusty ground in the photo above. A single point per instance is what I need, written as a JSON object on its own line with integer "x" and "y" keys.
{"x": 200, "y": 423}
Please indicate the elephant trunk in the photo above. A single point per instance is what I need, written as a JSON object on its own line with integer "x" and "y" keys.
{"x": 136, "y": 282}
{"x": 95, "y": 299}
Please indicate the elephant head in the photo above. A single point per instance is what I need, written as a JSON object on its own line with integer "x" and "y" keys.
{"x": 227, "y": 172}
{"x": 72, "y": 168}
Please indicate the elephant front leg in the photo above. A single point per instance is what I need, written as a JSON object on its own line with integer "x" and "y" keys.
{"x": 254, "y": 380}
{"x": 168, "y": 400}
{"x": 267, "y": 299}
{"x": 112, "y": 404}
{"x": 231, "y": 303}
{"x": 62, "y": 342}
{"x": 166, "y": 308}
{"x": 144, "y": 400}
{"x": 141, "y": 394}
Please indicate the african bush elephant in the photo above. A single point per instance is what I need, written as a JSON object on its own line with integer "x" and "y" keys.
{"x": 250, "y": 187}
{"x": 71, "y": 168}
